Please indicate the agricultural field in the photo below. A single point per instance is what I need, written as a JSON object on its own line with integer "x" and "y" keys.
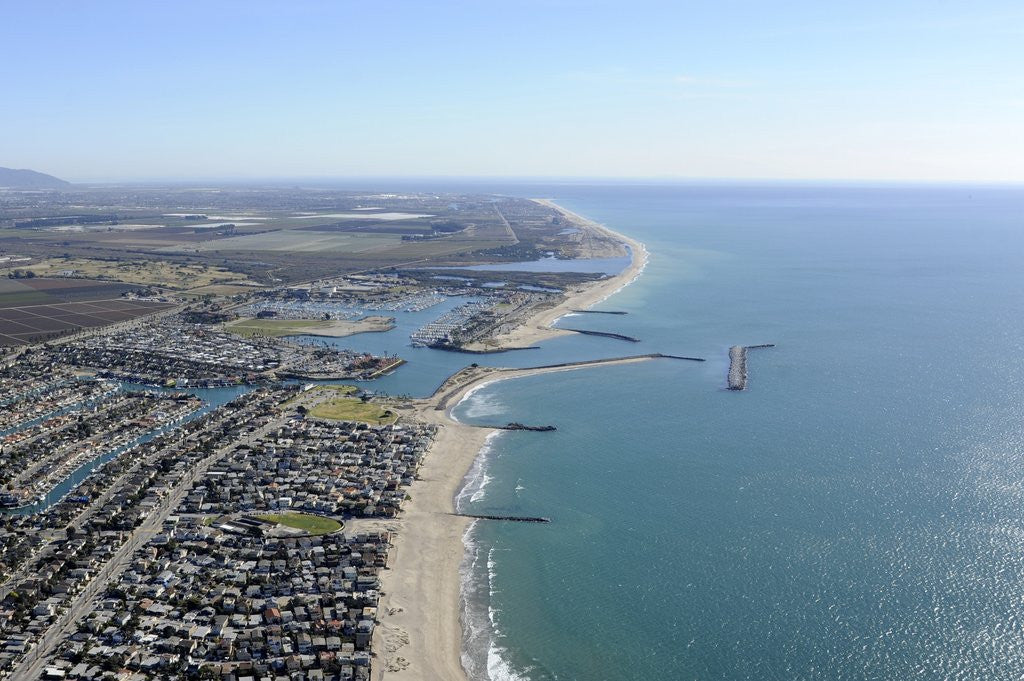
{"x": 189, "y": 238}
{"x": 22, "y": 324}
{"x": 293, "y": 241}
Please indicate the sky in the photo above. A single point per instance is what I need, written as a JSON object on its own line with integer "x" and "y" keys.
{"x": 894, "y": 90}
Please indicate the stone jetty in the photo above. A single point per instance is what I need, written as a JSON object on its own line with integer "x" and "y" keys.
{"x": 510, "y": 518}
{"x": 738, "y": 364}
{"x": 599, "y": 312}
{"x": 515, "y": 425}
{"x": 737, "y": 367}
{"x": 606, "y": 334}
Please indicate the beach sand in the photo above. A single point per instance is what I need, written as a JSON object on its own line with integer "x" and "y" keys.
{"x": 420, "y": 632}
{"x": 539, "y": 327}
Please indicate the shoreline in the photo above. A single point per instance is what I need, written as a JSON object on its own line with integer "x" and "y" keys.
{"x": 420, "y": 634}
{"x": 538, "y": 327}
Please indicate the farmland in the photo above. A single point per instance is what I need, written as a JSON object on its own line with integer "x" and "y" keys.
{"x": 38, "y": 309}
{"x": 183, "y": 239}
{"x": 20, "y": 325}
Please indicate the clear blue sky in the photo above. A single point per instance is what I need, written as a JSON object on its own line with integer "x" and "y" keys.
{"x": 901, "y": 90}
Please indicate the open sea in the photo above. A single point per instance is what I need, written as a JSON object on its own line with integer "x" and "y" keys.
{"x": 857, "y": 513}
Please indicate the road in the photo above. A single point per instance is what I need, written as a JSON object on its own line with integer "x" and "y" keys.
{"x": 31, "y": 666}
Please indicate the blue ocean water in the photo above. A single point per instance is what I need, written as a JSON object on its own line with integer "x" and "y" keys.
{"x": 858, "y": 513}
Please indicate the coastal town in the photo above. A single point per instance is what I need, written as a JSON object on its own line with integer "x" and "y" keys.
{"x": 213, "y": 489}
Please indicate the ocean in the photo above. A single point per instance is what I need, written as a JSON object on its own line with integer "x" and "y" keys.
{"x": 857, "y": 513}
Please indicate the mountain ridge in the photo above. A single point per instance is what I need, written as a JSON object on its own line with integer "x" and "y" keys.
{"x": 23, "y": 178}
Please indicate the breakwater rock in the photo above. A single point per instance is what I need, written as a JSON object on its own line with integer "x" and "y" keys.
{"x": 738, "y": 364}
{"x": 519, "y": 426}
{"x": 510, "y": 518}
{"x": 737, "y": 367}
{"x": 606, "y": 334}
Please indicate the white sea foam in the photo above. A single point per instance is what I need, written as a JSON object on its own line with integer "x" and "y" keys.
{"x": 643, "y": 266}
{"x": 498, "y": 668}
{"x": 477, "y": 479}
{"x": 486, "y": 404}
{"x": 482, "y": 655}
{"x": 469, "y": 393}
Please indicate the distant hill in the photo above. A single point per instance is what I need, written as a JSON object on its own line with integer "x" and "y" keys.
{"x": 29, "y": 179}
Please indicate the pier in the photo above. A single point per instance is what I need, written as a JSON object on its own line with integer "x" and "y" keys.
{"x": 598, "y": 311}
{"x": 738, "y": 364}
{"x": 509, "y": 518}
{"x": 606, "y": 334}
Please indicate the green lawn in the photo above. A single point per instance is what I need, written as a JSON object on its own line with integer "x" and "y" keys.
{"x": 341, "y": 389}
{"x": 313, "y": 524}
{"x": 273, "y": 327}
{"x": 348, "y": 409}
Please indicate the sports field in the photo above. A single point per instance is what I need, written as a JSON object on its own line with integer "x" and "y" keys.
{"x": 311, "y": 524}
{"x": 350, "y": 409}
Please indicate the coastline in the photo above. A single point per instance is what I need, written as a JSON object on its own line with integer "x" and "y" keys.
{"x": 420, "y": 633}
{"x": 538, "y": 327}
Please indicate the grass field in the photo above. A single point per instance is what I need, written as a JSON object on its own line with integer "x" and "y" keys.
{"x": 312, "y": 524}
{"x": 349, "y": 409}
{"x": 272, "y": 327}
{"x": 340, "y": 389}
{"x": 142, "y": 272}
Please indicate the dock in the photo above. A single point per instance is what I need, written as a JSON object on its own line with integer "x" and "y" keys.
{"x": 738, "y": 364}
{"x": 509, "y": 518}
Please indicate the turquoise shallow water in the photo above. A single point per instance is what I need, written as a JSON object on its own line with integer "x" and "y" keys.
{"x": 856, "y": 514}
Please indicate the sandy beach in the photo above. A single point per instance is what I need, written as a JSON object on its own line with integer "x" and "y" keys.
{"x": 420, "y": 631}
{"x": 539, "y": 327}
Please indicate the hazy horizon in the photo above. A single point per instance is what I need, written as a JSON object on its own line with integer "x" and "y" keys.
{"x": 118, "y": 91}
